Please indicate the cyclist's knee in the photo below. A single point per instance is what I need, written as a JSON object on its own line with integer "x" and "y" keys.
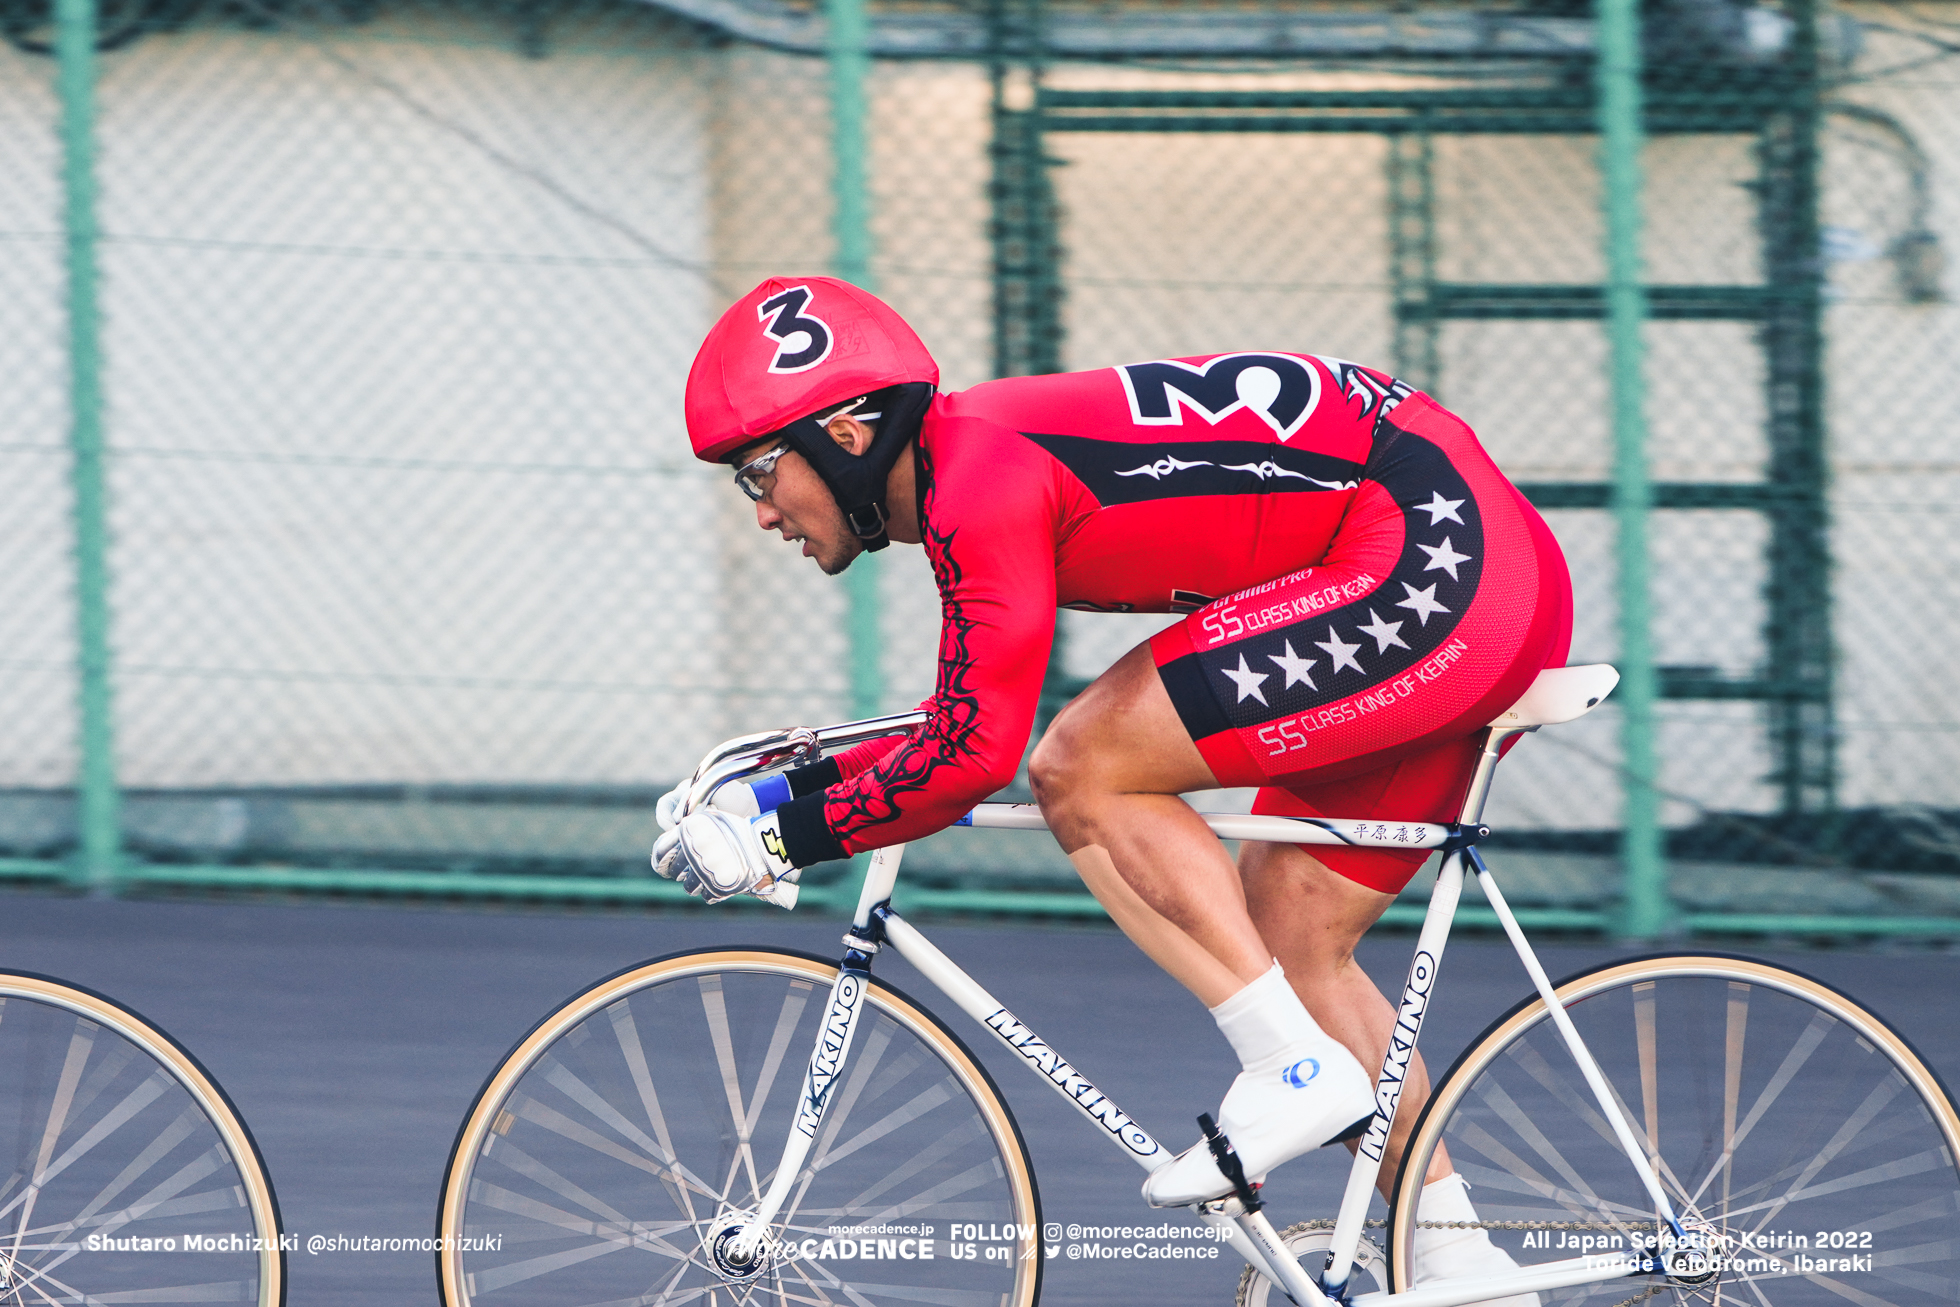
{"x": 1060, "y": 762}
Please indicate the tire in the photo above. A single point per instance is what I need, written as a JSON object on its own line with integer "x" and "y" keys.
{"x": 1802, "y": 1132}
{"x": 606, "y": 1143}
{"x": 130, "y": 1177}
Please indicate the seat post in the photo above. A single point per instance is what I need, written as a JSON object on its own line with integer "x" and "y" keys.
{"x": 1473, "y": 802}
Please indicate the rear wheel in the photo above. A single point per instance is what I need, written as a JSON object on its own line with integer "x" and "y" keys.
{"x": 601, "y": 1157}
{"x": 1795, "y": 1131}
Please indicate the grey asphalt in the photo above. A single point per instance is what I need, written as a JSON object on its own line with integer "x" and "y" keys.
{"x": 352, "y": 1039}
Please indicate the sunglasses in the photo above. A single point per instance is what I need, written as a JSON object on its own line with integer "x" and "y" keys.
{"x": 749, "y": 475}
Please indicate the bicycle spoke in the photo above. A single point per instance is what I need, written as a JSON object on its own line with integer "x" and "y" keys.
{"x": 1872, "y": 1138}
{"x": 1793, "y": 1062}
{"x": 627, "y": 1034}
{"x": 717, "y": 1014}
{"x": 517, "y": 1272}
{"x": 525, "y": 1165}
{"x": 1644, "y": 1039}
{"x": 1519, "y": 1120}
{"x": 1930, "y": 1160}
{"x": 922, "y": 1161}
{"x": 1857, "y": 1121}
{"x": 159, "y": 1148}
{"x": 537, "y": 1113}
{"x": 1735, "y": 1036}
{"x": 786, "y": 1021}
{"x": 562, "y": 1079}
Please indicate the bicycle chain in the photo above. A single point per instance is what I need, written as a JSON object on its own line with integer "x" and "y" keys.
{"x": 1379, "y": 1223}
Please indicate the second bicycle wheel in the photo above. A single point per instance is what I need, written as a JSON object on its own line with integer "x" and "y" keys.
{"x": 599, "y": 1154}
{"x": 1798, "y": 1133}
{"x": 125, "y": 1174}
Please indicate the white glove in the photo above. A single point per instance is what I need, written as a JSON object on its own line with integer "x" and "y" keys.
{"x": 718, "y": 855}
{"x": 735, "y": 797}
{"x": 668, "y": 811}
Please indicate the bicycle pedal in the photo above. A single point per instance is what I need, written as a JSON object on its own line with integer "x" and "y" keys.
{"x": 1228, "y": 1207}
{"x": 1229, "y": 1165}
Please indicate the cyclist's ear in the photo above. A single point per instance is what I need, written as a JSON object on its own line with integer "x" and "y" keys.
{"x": 850, "y": 433}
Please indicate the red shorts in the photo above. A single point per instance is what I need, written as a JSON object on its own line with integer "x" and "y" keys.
{"x": 1358, "y": 687}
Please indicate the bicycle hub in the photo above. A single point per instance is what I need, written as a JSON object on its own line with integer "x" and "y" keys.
{"x": 737, "y": 1252}
{"x": 1695, "y": 1257}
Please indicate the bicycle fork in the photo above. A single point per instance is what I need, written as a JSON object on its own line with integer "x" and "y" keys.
{"x": 738, "y": 1243}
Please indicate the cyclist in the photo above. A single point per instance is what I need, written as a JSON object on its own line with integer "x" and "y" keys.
{"x": 1364, "y": 591}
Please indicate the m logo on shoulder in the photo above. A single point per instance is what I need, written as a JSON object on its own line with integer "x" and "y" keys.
{"x": 805, "y": 339}
{"x": 1281, "y": 388}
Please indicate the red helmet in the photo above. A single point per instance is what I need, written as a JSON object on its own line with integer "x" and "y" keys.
{"x": 788, "y": 348}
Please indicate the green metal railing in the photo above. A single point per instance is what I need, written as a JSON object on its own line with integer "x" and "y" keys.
{"x": 1645, "y": 903}
{"x": 98, "y": 865}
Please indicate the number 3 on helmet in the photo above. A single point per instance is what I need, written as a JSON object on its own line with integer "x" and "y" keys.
{"x": 788, "y": 348}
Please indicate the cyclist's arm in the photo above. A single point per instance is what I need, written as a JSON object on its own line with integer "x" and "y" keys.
{"x": 840, "y": 766}
{"x": 994, "y": 558}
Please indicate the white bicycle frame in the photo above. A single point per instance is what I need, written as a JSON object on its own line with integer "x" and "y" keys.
{"x": 876, "y": 925}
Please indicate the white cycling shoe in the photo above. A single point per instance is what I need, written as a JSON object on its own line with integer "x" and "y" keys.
{"x": 1271, "y": 1116}
{"x": 1459, "y": 1254}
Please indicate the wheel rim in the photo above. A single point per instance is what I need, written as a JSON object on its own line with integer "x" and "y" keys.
{"x": 122, "y": 1177}
{"x": 1799, "y": 1132}
{"x": 605, "y": 1156}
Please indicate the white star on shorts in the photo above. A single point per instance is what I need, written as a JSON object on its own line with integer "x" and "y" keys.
{"x": 1440, "y": 508}
{"x": 1341, "y": 652}
{"x": 1445, "y": 557}
{"x": 1384, "y": 633}
{"x": 1247, "y": 680}
{"x": 1421, "y": 602}
{"x": 1295, "y": 667}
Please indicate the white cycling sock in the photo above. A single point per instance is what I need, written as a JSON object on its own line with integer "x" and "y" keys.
{"x": 1447, "y": 1199}
{"x": 1265, "y": 1022}
{"x": 1454, "y": 1254}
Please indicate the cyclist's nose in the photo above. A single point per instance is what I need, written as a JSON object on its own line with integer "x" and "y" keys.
{"x": 766, "y": 515}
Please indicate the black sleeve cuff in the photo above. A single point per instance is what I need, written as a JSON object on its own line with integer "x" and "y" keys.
{"x": 812, "y": 777}
{"x": 806, "y": 835}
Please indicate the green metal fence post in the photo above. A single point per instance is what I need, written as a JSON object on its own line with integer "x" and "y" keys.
{"x": 850, "y": 64}
{"x": 1644, "y": 907}
{"x": 98, "y": 866}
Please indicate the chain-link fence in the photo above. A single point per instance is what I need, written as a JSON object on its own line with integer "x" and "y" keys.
{"x": 411, "y": 576}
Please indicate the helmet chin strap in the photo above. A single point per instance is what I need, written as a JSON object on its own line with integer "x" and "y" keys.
{"x": 857, "y": 481}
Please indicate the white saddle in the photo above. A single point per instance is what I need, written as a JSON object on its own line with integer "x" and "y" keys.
{"x": 1559, "y": 695}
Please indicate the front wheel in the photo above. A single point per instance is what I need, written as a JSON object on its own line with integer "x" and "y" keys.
{"x": 1797, "y": 1134}
{"x": 603, "y": 1153}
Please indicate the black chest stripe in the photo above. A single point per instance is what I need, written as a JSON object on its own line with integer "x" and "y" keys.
{"x": 1119, "y": 473}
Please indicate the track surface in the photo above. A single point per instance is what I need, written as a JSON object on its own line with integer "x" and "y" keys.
{"x": 352, "y": 1040}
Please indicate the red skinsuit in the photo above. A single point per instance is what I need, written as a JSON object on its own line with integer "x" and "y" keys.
{"x": 1431, "y": 593}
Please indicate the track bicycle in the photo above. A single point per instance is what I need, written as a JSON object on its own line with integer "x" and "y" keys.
{"x": 130, "y": 1176}
{"x": 751, "y": 1125}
